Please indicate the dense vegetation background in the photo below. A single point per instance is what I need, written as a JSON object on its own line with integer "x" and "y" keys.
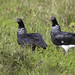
{"x": 15, "y": 60}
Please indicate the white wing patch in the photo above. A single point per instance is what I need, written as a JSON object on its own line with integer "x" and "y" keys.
{"x": 66, "y": 47}
{"x": 62, "y": 41}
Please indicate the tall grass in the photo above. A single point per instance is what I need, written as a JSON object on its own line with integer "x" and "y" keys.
{"x": 15, "y": 60}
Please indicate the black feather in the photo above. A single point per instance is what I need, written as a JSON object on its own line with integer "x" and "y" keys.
{"x": 58, "y": 36}
{"x": 64, "y": 39}
{"x": 34, "y": 39}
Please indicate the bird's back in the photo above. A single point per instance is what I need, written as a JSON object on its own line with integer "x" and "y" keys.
{"x": 32, "y": 38}
{"x": 67, "y": 38}
{"x": 62, "y": 38}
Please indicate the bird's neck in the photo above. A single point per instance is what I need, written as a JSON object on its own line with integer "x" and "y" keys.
{"x": 21, "y": 32}
{"x": 54, "y": 23}
{"x": 21, "y": 25}
{"x": 55, "y": 27}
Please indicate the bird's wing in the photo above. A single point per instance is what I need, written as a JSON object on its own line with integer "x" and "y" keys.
{"x": 35, "y": 36}
{"x": 34, "y": 39}
{"x": 65, "y": 37}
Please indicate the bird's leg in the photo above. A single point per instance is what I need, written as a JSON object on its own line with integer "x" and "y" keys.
{"x": 33, "y": 47}
{"x": 64, "y": 52}
{"x": 67, "y": 52}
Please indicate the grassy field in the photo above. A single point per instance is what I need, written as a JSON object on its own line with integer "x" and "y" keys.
{"x": 15, "y": 60}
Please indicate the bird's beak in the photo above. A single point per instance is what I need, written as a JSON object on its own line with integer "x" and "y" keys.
{"x": 50, "y": 19}
{"x": 16, "y": 20}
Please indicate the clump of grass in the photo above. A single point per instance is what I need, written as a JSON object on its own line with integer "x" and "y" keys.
{"x": 15, "y": 60}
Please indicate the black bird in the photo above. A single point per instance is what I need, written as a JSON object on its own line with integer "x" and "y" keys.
{"x": 65, "y": 40}
{"x": 34, "y": 39}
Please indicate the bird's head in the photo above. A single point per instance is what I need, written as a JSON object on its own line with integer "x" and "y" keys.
{"x": 54, "y": 21}
{"x": 20, "y": 22}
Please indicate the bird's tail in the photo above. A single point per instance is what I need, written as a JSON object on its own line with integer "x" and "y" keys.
{"x": 43, "y": 44}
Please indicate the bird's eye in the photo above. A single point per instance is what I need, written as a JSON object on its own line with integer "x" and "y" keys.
{"x": 52, "y": 18}
{"x": 19, "y": 21}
